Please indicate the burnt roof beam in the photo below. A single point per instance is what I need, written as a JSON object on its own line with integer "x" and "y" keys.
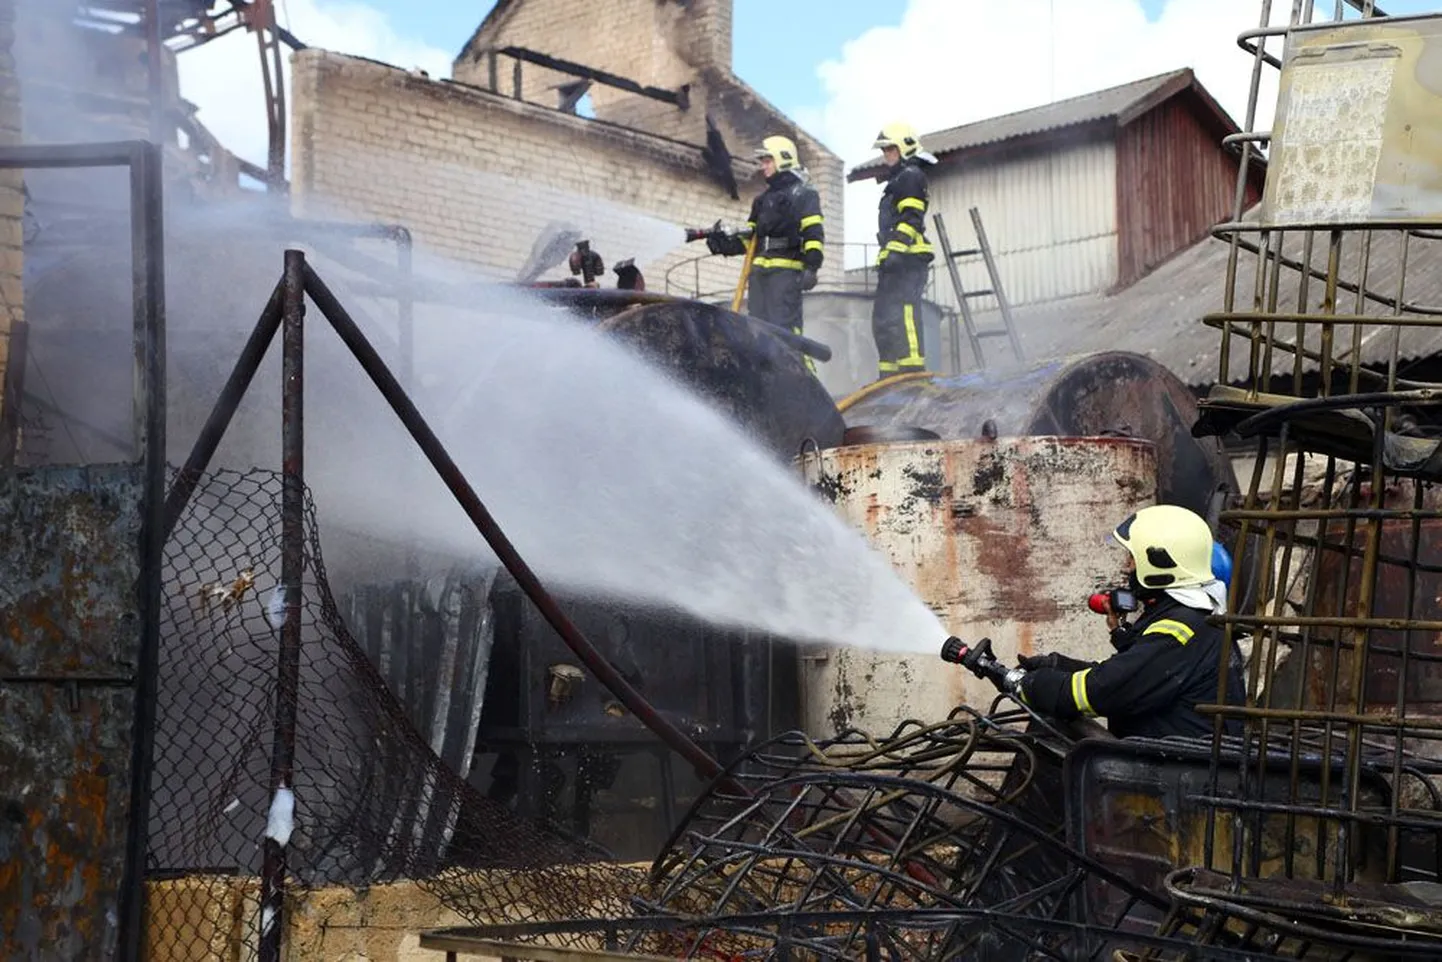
{"x": 680, "y": 97}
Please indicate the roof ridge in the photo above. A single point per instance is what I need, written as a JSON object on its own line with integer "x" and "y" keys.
{"x": 1154, "y": 79}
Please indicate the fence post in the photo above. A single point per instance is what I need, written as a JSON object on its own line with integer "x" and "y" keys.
{"x": 292, "y": 566}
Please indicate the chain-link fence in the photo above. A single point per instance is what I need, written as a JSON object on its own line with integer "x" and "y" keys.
{"x": 371, "y": 801}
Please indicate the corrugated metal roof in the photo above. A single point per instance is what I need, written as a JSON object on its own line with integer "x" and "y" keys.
{"x": 1160, "y": 315}
{"x": 1112, "y": 103}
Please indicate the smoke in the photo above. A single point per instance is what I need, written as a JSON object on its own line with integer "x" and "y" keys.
{"x": 608, "y": 476}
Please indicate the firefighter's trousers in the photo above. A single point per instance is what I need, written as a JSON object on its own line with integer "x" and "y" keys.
{"x": 896, "y": 315}
{"x": 774, "y": 296}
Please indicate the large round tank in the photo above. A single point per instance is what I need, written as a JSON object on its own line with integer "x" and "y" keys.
{"x": 1114, "y": 393}
{"x": 1001, "y": 538}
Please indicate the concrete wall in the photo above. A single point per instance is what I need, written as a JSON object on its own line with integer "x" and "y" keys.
{"x": 12, "y": 198}
{"x": 842, "y": 321}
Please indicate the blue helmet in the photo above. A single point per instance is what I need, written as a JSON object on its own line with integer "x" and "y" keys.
{"x": 1221, "y": 564}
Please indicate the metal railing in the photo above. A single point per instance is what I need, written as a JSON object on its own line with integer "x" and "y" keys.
{"x": 683, "y": 279}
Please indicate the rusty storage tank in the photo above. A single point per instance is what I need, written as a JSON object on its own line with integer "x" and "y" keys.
{"x": 1112, "y": 393}
{"x": 1002, "y": 538}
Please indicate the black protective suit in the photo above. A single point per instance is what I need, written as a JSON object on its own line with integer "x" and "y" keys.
{"x": 902, "y": 266}
{"x": 787, "y": 223}
{"x": 1165, "y": 665}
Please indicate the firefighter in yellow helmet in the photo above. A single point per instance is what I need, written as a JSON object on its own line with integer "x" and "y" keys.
{"x": 1166, "y": 660}
{"x": 905, "y": 257}
{"x": 786, "y": 221}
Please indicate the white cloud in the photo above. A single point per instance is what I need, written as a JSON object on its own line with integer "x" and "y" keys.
{"x": 223, "y": 77}
{"x": 951, "y": 62}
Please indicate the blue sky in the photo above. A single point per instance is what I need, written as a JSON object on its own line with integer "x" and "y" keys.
{"x": 777, "y": 45}
{"x": 839, "y": 68}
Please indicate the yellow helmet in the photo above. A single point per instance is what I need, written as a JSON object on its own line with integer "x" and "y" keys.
{"x": 1171, "y": 546}
{"x": 901, "y": 136}
{"x": 781, "y": 150}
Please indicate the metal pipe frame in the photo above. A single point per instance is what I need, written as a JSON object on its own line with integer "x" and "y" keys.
{"x": 292, "y": 571}
{"x": 147, "y": 224}
{"x": 1322, "y": 622}
{"x": 440, "y": 459}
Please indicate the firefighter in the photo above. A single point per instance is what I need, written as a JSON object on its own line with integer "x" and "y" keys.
{"x": 905, "y": 257}
{"x": 1166, "y": 661}
{"x": 786, "y": 221}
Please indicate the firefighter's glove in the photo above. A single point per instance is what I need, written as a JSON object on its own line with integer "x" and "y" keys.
{"x": 1054, "y": 660}
{"x": 808, "y": 278}
{"x": 725, "y": 243}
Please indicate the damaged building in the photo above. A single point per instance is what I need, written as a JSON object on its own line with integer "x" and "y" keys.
{"x": 480, "y": 166}
{"x": 280, "y": 702}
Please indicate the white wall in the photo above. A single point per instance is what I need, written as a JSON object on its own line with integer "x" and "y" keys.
{"x": 1050, "y": 215}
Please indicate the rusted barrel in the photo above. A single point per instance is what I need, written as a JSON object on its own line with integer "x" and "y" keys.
{"x": 1115, "y": 393}
{"x": 1002, "y": 539}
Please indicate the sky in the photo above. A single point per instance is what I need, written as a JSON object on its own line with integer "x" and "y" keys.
{"x": 839, "y": 68}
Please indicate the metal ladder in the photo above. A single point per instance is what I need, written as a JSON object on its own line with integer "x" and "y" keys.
{"x": 1008, "y": 327}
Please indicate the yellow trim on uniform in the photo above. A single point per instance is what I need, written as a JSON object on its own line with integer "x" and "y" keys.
{"x": 812, "y": 245}
{"x": 896, "y": 246}
{"x": 1079, "y": 692}
{"x": 886, "y": 365}
{"x": 911, "y": 203}
{"x": 785, "y": 262}
{"x": 910, "y": 231}
{"x": 1173, "y": 629}
{"x": 913, "y": 357}
{"x": 810, "y": 221}
{"x": 810, "y": 363}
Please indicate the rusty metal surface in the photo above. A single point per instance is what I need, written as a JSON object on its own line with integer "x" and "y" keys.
{"x": 1400, "y": 593}
{"x": 68, "y": 610}
{"x": 1142, "y": 808}
{"x": 1113, "y": 393}
{"x": 1001, "y": 539}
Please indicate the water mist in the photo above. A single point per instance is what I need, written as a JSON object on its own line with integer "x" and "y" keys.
{"x": 610, "y": 477}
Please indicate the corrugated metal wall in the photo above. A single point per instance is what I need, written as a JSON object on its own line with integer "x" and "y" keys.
{"x": 1050, "y": 213}
{"x": 1178, "y": 184}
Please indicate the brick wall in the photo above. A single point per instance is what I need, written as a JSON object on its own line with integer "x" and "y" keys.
{"x": 477, "y": 176}
{"x": 12, "y": 200}
{"x": 662, "y": 43}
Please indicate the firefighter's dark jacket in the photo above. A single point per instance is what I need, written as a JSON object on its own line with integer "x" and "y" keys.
{"x": 786, "y": 221}
{"x": 901, "y": 221}
{"x": 1165, "y": 665}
